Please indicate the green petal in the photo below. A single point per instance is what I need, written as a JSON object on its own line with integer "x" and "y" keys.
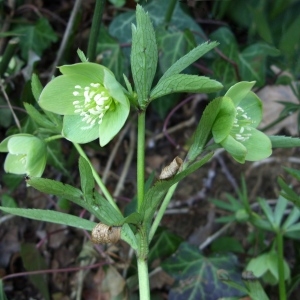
{"x": 57, "y": 96}
{"x": 258, "y": 146}
{"x": 224, "y": 120}
{"x": 239, "y": 91}
{"x": 237, "y": 150}
{"x": 4, "y": 143}
{"x": 112, "y": 123}
{"x": 252, "y": 105}
{"x": 34, "y": 150}
{"x": 115, "y": 89}
{"x": 14, "y": 165}
{"x": 78, "y": 131}
{"x": 91, "y": 71}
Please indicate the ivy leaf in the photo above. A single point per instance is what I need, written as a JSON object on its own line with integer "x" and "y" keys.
{"x": 51, "y": 216}
{"x": 196, "y": 275}
{"x": 36, "y": 37}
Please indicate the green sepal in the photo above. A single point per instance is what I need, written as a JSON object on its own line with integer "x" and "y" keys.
{"x": 224, "y": 120}
{"x": 239, "y": 91}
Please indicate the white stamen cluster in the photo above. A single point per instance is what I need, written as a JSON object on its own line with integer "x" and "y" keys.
{"x": 92, "y": 104}
{"x": 241, "y": 130}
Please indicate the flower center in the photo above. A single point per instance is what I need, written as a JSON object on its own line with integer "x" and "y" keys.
{"x": 241, "y": 129}
{"x": 92, "y": 102}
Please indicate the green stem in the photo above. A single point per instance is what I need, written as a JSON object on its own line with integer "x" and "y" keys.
{"x": 52, "y": 138}
{"x": 141, "y": 159}
{"x": 144, "y": 286}
{"x": 280, "y": 259}
{"x": 97, "y": 178}
{"x": 169, "y": 13}
{"x": 94, "y": 34}
{"x": 8, "y": 54}
{"x": 162, "y": 210}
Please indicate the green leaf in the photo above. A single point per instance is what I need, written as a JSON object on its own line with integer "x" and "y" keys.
{"x": 290, "y": 39}
{"x": 203, "y": 129}
{"x": 40, "y": 119}
{"x": 2, "y": 294}
{"x": 199, "y": 274}
{"x": 155, "y": 194}
{"x": 128, "y": 236}
{"x": 284, "y": 141}
{"x": 86, "y": 176}
{"x": 51, "y": 216}
{"x": 36, "y": 37}
{"x": 291, "y": 219}
{"x": 36, "y": 87}
{"x": 189, "y": 58}
{"x": 295, "y": 173}
{"x": 134, "y": 218}
{"x": 280, "y": 210}
{"x": 267, "y": 210}
{"x": 185, "y": 83}
{"x": 144, "y": 55}
{"x": 163, "y": 245}
{"x": 252, "y": 62}
{"x": 56, "y": 157}
{"x": 33, "y": 261}
{"x": 104, "y": 211}
{"x": 227, "y": 244}
{"x": 8, "y": 201}
{"x": 120, "y": 26}
{"x": 56, "y": 188}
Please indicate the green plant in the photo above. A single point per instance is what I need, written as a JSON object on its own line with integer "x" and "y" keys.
{"x": 95, "y": 105}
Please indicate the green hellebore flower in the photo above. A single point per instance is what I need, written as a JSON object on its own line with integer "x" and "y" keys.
{"x": 235, "y": 126}
{"x": 27, "y": 154}
{"x": 90, "y": 98}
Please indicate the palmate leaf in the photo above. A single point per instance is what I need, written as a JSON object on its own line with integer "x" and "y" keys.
{"x": 92, "y": 202}
{"x": 51, "y": 216}
{"x": 144, "y": 55}
{"x": 196, "y": 275}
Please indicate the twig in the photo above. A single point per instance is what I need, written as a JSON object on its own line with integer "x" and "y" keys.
{"x": 114, "y": 152}
{"x": 127, "y": 164}
{"x": 66, "y": 36}
{"x": 10, "y": 107}
{"x": 211, "y": 238}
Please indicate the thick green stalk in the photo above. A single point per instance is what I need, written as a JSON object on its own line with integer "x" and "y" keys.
{"x": 141, "y": 159}
{"x": 97, "y": 178}
{"x": 94, "y": 34}
{"x": 162, "y": 210}
{"x": 280, "y": 258}
{"x": 144, "y": 286}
